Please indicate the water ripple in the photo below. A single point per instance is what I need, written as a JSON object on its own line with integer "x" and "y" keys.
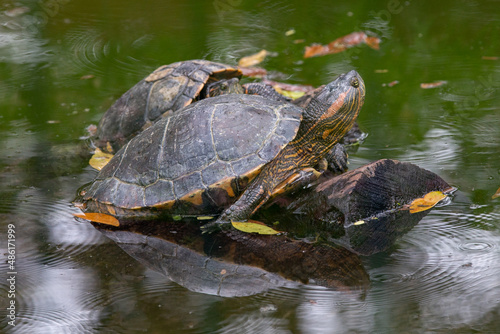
{"x": 445, "y": 266}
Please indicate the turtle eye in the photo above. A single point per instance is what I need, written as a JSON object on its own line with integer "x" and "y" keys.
{"x": 355, "y": 82}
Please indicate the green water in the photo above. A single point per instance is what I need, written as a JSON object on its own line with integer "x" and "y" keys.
{"x": 63, "y": 63}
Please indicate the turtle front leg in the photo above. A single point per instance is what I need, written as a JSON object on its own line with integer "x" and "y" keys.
{"x": 337, "y": 159}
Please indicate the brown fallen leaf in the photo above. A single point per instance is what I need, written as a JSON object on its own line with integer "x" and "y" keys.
{"x": 253, "y": 226}
{"x": 490, "y": 58}
{"x": 254, "y": 59}
{"x": 86, "y": 77}
{"x": 99, "y": 218}
{"x": 253, "y": 72}
{"x": 497, "y": 194}
{"x": 391, "y": 84}
{"x": 426, "y": 202}
{"x": 99, "y": 159}
{"x": 433, "y": 84}
{"x": 288, "y": 87}
{"x": 342, "y": 44}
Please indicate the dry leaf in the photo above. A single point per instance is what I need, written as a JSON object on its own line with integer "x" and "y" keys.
{"x": 290, "y": 32}
{"x": 497, "y": 194}
{"x": 99, "y": 159}
{"x": 253, "y": 71}
{"x": 490, "y": 58}
{"x": 432, "y": 84}
{"x": 342, "y": 44}
{"x": 253, "y": 59}
{"x": 99, "y": 218}
{"x": 253, "y": 226}
{"x": 289, "y": 87}
{"x": 426, "y": 202}
{"x": 359, "y": 222}
{"x": 86, "y": 77}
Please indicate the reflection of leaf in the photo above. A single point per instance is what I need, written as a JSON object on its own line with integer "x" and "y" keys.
{"x": 426, "y": 202}
{"x": 99, "y": 218}
{"x": 342, "y": 44}
{"x": 497, "y": 194}
{"x": 99, "y": 159}
{"x": 253, "y": 59}
{"x": 253, "y": 226}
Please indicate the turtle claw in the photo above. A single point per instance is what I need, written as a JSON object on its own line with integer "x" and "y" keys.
{"x": 215, "y": 226}
{"x": 337, "y": 159}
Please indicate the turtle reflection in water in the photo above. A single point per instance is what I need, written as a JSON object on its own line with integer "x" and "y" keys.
{"x": 232, "y": 151}
{"x": 234, "y": 263}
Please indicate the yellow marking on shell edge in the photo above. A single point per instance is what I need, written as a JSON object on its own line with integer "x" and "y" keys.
{"x": 164, "y": 205}
{"x": 253, "y": 173}
{"x": 225, "y": 184}
{"x": 159, "y": 73}
{"x": 111, "y": 209}
{"x": 193, "y": 197}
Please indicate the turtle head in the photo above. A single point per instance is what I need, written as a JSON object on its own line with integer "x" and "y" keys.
{"x": 223, "y": 87}
{"x": 331, "y": 113}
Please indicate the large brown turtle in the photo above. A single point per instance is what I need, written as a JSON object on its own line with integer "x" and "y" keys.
{"x": 232, "y": 151}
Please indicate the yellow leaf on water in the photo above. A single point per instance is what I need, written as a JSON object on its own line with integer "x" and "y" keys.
{"x": 253, "y": 226}
{"x": 359, "y": 222}
{"x": 426, "y": 202}
{"x": 99, "y": 159}
{"x": 99, "y": 218}
{"x": 253, "y": 59}
{"x": 497, "y": 194}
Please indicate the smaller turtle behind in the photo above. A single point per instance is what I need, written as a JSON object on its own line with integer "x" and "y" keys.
{"x": 166, "y": 90}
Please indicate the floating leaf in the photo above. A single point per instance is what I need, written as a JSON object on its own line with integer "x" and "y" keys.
{"x": 289, "y": 87}
{"x": 99, "y": 159}
{"x": 497, "y": 194}
{"x": 342, "y": 44}
{"x": 253, "y": 71}
{"x": 99, "y": 218}
{"x": 87, "y": 77}
{"x": 426, "y": 202}
{"x": 253, "y": 226}
{"x": 359, "y": 222}
{"x": 490, "y": 58}
{"x": 290, "y": 32}
{"x": 390, "y": 84}
{"x": 253, "y": 59}
{"x": 432, "y": 84}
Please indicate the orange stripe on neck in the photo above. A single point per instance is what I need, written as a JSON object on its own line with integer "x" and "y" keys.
{"x": 335, "y": 106}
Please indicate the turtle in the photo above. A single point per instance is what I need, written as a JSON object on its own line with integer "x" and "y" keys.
{"x": 225, "y": 155}
{"x": 166, "y": 90}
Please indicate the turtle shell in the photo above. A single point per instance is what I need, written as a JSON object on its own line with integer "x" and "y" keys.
{"x": 167, "y": 89}
{"x": 197, "y": 161}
